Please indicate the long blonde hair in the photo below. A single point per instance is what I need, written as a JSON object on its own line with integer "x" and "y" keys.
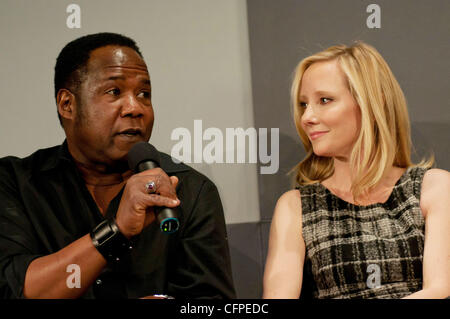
{"x": 384, "y": 139}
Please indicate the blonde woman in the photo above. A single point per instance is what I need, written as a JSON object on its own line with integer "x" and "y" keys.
{"x": 364, "y": 221}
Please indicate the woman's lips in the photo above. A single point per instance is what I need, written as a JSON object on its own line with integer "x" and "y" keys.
{"x": 316, "y": 135}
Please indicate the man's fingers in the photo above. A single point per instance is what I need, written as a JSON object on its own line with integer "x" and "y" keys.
{"x": 174, "y": 180}
{"x": 163, "y": 185}
{"x": 158, "y": 200}
{"x": 151, "y": 172}
{"x": 141, "y": 196}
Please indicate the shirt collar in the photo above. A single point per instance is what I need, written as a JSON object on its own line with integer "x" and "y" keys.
{"x": 63, "y": 156}
{"x": 169, "y": 165}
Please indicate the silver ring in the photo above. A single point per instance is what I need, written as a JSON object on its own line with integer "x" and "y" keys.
{"x": 150, "y": 187}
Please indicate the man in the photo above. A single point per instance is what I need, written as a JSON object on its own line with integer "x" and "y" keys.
{"x": 59, "y": 206}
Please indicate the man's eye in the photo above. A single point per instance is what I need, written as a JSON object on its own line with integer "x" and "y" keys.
{"x": 113, "y": 92}
{"x": 144, "y": 94}
{"x": 325, "y": 100}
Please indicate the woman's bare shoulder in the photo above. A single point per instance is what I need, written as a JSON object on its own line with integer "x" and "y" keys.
{"x": 290, "y": 203}
{"x": 291, "y": 197}
{"x": 437, "y": 173}
{"x": 435, "y": 188}
{"x": 436, "y": 180}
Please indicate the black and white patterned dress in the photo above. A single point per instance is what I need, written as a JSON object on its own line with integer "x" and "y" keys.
{"x": 372, "y": 251}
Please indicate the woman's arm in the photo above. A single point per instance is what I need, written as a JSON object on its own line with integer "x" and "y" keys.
{"x": 284, "y": 266}
{"x": 435, "y": 203}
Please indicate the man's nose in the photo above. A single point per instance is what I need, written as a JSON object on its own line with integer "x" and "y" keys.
{"x": 131, "y": 107}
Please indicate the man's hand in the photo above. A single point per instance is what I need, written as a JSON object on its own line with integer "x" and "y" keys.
{"x": 46, "y": 276}
{"x": 136, "y": 209}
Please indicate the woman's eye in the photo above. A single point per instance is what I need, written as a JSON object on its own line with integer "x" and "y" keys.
{"x": 303, "y": 104}
{"x": 325, "y": 100}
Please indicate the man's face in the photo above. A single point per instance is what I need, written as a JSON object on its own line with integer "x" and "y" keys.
{"x": 114, "y": 109}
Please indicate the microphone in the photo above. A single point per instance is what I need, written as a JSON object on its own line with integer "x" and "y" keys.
{"x": 143, "y": 156}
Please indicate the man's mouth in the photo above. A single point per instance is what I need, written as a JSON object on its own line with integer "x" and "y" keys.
{"x": 130, "y": 132}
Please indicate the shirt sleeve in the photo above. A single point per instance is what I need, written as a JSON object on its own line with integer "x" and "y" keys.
{"x": 18, "y": 246}
{"x": 202, "y": 257}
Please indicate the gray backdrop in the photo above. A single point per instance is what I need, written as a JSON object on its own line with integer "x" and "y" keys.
{"x": 229, "y": 64}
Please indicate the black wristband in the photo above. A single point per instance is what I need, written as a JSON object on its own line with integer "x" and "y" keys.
{"x": 110, "y": 242}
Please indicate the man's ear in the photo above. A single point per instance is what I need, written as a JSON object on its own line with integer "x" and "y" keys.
{"x": 66, "y": 103}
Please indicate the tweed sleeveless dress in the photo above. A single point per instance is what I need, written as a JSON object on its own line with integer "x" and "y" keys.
{"x": 372, "y": 251}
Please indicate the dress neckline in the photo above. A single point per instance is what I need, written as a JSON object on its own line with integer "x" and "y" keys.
{"x": 389, "y": 200}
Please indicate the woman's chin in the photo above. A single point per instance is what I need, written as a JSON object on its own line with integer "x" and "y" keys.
{"x": 322, "y": 152}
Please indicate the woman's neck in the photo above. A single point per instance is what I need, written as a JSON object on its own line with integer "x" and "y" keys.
{"x": 340, "y": 183}
{"x": 342, "y": 176}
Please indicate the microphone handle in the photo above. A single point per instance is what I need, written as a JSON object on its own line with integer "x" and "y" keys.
{"x": 167, "y": 217}
{"x": 145, "y": 165}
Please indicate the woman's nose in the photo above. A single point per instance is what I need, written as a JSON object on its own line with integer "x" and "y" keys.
{"x": 309, "y": 117}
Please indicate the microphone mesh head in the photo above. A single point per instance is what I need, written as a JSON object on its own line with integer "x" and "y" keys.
{"x": 142, "y": 152}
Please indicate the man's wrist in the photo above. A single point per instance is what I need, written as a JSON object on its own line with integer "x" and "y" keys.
{"x": 110, "y": 242}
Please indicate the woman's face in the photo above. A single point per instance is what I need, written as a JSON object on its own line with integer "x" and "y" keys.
{"x": 331, "y": 118}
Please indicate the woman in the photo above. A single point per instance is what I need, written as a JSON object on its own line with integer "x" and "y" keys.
{"x": 364, "y": 221}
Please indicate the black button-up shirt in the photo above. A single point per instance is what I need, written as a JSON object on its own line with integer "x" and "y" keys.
{"x": 45, "y": 206}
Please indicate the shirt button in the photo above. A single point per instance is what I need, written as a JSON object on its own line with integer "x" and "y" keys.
{"x": 98, "y": 281}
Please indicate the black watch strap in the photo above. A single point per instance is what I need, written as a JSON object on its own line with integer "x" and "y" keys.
{"x": 110, "y": 242}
